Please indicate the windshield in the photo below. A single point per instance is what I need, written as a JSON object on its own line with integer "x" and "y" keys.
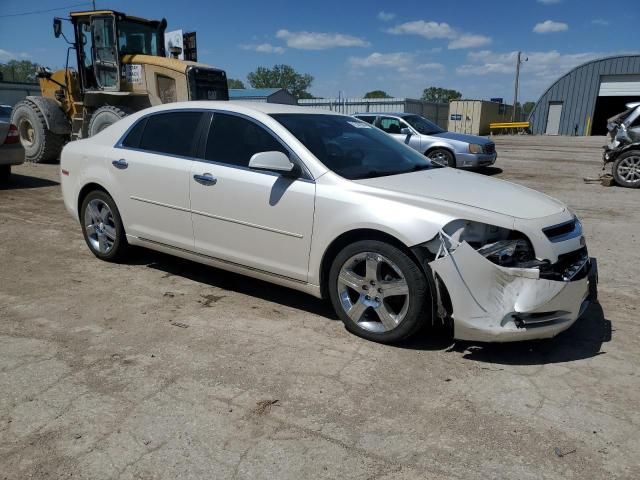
{"x": 137, "y": 37}
{"x": 422, "y": 125}
{"x": 352, "y": 148}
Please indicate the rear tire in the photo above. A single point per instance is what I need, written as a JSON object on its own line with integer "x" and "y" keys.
{"x": 626, "y": 169}
{"x": 5, "y": 173}
{"x": 40, "y": 144}
{"x": 105, "y": 116}
{"x": 102, "y": 227}
{"x": 379, "y": 292}
{"x": 442, "y": 156}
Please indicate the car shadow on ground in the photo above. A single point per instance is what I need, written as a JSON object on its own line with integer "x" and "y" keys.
{"x": 234, "y": 282}
{"x": 489, "y": 171}
{"x": 21, "y": 182}
{"x": 583, "y": 340}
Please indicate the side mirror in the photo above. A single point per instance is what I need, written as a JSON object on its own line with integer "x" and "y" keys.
{"x": 57, "y": 27}
{"x": 406, "y": 131}
{"x": 272, "y": 161}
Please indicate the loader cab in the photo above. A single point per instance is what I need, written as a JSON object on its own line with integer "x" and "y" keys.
{"x": 102, "y": 37}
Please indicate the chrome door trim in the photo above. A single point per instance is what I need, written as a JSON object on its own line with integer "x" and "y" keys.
{"x": 247, "y": 224}
{"x": 160, "y": 204}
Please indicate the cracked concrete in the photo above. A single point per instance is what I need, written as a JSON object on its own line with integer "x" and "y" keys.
{"x": 96, "y": 382}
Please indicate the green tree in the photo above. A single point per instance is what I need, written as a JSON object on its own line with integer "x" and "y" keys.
{"x": 440, "y": 95}
{"x": 19, "y": 71}
{"x": 235, "y": 83}
{"x": 377, "y": 94}
{"x": 281, "y": 76}
{"x": 528, "y": 107}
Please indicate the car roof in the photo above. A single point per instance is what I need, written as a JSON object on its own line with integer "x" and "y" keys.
{"x": 240, "y": 107}
{"x": 387, "y": 114}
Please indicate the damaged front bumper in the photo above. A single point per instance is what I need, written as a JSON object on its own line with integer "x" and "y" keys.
{"x": 498, "y": 304}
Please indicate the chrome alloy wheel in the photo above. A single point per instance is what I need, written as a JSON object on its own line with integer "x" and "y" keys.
{"x": 629, "y": 169}
{"x": 373, "y": 292}
{"x": 100, "y": 226}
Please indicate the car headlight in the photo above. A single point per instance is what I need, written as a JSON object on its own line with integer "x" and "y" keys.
{"x": 510, "y": 253}
{"x": 475, "y": 148}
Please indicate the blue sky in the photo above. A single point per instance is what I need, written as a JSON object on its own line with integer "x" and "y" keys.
{"x": 356, "y": 46}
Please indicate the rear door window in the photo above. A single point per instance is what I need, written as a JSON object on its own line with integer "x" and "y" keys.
{"x": 367, "y": 118}
{"x": 234, "y": 140}
{"x": 171, "y": 133}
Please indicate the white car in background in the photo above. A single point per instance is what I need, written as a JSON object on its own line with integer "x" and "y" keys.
{"x": 329, "y": 205}
{"x": 11, "y": 150}
{"x": 452, "y": 149}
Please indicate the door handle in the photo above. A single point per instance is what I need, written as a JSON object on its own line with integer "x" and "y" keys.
{"x": 120, "y": 164}
{"x": 205, "y": 179}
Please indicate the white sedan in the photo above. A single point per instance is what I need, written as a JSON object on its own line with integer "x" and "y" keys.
{"x": 331, "y": 206}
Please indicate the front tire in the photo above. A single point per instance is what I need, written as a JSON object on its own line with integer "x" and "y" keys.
{"x": 102, "y": 227}
{"x": 378, "y": 291}
{"x": 40, "y": 144}
{"x": 442, "y": 157}
{"x": 626, "y": 169}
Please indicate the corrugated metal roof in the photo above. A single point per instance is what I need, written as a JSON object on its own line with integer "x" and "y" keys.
{"x": 578, "y": 91}
{"x": 252, "y": 92}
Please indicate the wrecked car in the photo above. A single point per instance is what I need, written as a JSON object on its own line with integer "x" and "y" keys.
{"x": 623, "y": 149}
{"x": 332, "y": 206}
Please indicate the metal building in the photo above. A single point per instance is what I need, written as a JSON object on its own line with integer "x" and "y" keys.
{"x": 474, "y": 117}
{"x": 436, "y": 112}
{"x": 580, "y": 101}
{"x": 13, "y": 92}
{"x": 268, "y": 95}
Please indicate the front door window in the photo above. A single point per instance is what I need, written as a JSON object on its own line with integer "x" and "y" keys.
{"x": 106, "y": 54}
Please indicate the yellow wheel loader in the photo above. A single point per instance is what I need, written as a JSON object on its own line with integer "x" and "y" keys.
{"x": 121, "y": 68}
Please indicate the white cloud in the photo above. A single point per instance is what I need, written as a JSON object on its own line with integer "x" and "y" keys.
{"x": 6, "y": 55}
{"x": 386, "y": 16}
{"x": 541, "y": 69}
{"x": 434, "y": 30}
{"x": 549, "y": 26}
{"x": 438, "y": 67}
{"x": 424, "y": 29}
{"x": 549, "y": 2}
{"x": 319, "y": 40}
{"x": 264, "y": 48}
{"x": 469, "y": 41}
{"x": 600, "y": 21}
{"x": 398, "y": 60}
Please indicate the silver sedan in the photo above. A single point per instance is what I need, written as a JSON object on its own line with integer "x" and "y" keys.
{"x": 446, "y": 148}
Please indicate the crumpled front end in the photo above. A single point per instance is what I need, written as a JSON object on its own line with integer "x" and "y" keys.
{"x": 492, "y": 303}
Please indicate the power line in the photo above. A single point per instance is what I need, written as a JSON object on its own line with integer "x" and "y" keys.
{"x": 35, "y": 12}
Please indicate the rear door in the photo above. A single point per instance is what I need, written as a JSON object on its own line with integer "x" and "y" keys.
{"x": 257, "y": 219}
{"x": 153, "y": 174}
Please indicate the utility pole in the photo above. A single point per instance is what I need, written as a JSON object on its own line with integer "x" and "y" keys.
{"x": 515, "y": 95}
{"x": 94, "y": 4}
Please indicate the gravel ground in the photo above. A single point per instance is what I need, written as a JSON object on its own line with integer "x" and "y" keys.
{"x": 165, "y": 369}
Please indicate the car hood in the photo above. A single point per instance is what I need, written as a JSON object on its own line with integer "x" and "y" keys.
{"x": 470, "y": 189}
{"x": 463, "y": 137}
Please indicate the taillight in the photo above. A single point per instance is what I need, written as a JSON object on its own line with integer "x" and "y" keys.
{"x": 13, "y": 136}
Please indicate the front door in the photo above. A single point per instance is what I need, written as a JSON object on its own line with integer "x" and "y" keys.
{"x": 152, "y": 175}
{"x": 553, "y": 118}
{"x": 257, "y": 219}
{"x": 393, "y": 126}
{"x": 105, "y": 50}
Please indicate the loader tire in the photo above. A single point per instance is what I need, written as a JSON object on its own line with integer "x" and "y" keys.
{"x": 105, "y": 116}
{"x": 40, "y": 144}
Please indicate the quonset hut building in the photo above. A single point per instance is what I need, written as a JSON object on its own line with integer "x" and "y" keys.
{"x": 580, "y": 101}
